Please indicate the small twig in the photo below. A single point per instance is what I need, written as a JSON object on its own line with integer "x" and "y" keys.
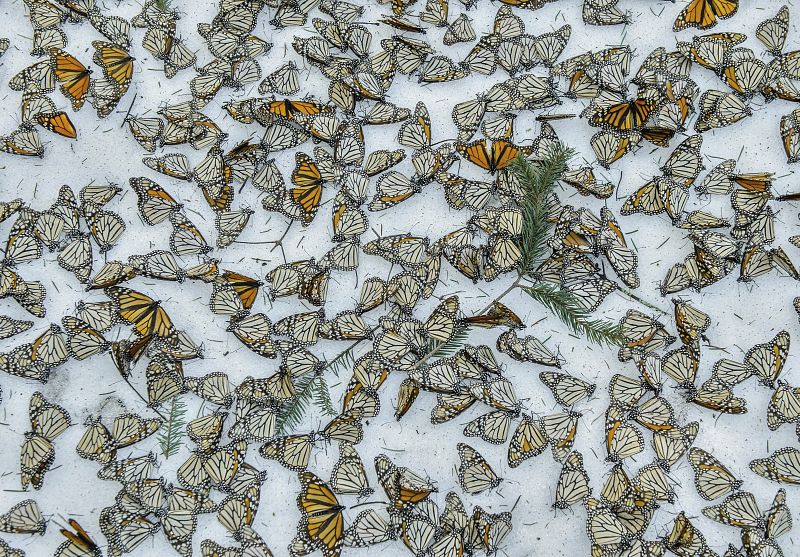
{"x": 147, "y": 402}
{"x": 624, "y": 291}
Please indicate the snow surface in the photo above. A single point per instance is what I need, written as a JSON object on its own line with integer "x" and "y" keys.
{"x": 742, "y": 314}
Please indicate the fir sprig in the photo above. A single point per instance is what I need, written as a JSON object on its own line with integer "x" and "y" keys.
{"x": 563, "y": 305}
{"x": 449, "y": 347}
{"x": 163, "y": 5}
{"x": 538, "y": 179}
{"x": 170, "y": 434}
{"x": 310, "y": 390}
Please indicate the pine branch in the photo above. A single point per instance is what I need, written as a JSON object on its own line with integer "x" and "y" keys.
{"x": 163, "y": 5}
{"x": 344, "y": 359}
{"x": 450, "y": 347}
{"x": 538, "y": 181}
{"x": 564, "y": 306}
{"x": 170, "y": 435}
{"x": 322, "y": 396}
{"x": 310, "y": 390}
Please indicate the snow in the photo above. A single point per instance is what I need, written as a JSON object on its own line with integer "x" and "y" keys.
{"x": 742, "y": 314}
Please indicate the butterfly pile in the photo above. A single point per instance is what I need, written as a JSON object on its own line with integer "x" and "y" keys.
{"x": 438, "y": 278}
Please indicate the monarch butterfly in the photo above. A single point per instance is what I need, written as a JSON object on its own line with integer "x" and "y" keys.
{"x": 349, "y": 476}
{"x": 778, "y": 517}
{"x": 39, "y": 76}
{"x": 213, "y": 387}
{"x": 322, "y": 524}
{"x": 624, "y": 116}
{"x": 681, "y": 366}
{"x": 685, "y": 538}
{"x": 23, "y": 141}
{"x": 573, "y": 482}
{"x": 528, "y": 349}
{"x": 292, "y": 451}
{"x": 767, "y": 360}
{"x": 155, "y": 204}
{"x": 501, "y": 153}
{"x": 642, "y": 334}
{"x": 146, "y": 131}
{"x": 728, "y": 373}
{"x": 368, "y": 528}
{"x": 528, "y": 440}
{"x": 84, "y": 341}
{"x": 78, "y": 543}
{"x": 781, "y": 466}
{"x": 48, "y": 421}
{"x": 567, "y": 390}
{"x": 790, "y": 135}
{"x": 97, "y": 443}
{"x": 622, "y": 439}
{"x": 10, "y": 326}
{"x": 784, "y": 407}
{"x": 705, "y": 14}
{"x": 165, "y": 46}
{"x": 403, "y": 487}
{"x": 186, "y": 239}
{"x": 416, "y": 132}
{"x": 604, "y": 528}
{"x": 739, "y": 509}
{"x": 712, "y": 479}
{"x": 609, "y": 146}
{"x": 117, "y": 64}
{"x": 23, "y": 518}
{"x": 57, "y": 122}
{"x": 73, "y": 76}
{"x": 474, "y": 473}
{"x": 772, "y": 32}
{"x": 718, "y": 109}
{"x": 603, "y": 12}
{"x": 302, "y": 201}
{"x": 145, "y": 314}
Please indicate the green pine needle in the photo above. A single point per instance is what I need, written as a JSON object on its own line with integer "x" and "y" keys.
{"x": 538, "y": 181}
{"x": 446, "y": 349}
{"x": 310, "y": 390}
{"x": 564, "y": 306}
{"x": 164, "y": 5}
{"x": 343, "y": 361}
{"x": 170, "y": 434}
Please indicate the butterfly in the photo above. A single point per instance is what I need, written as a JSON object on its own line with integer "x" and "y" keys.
{"x": 712, "y": 479}
{"x": 685, "y": 538}
{"x": 117, "y": 64}
{"x": 97, "y": 443}
{"x": 78, "y": 543}
{"x": 624, "y": 116}
{"x": 73, "y": 76}
{"x": 348, "y": 475}
{"x": 781, "y": 466}
{"x": 322, "y": 523}
{"x": 719, "y": 109}
{"x": 573, "y": 482}
{"x": 10, "y": 326}
{"x": 23, "y": 518}
{"x": 404, "y": 488}
{"x": 474, "y": 473}
{"x": 705, "y": 14}
{"x": 145, "y": 314}
{"x": 48, "y": 421}
{"x": 767, "y": 360}
{"x": 602, "y": 13}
